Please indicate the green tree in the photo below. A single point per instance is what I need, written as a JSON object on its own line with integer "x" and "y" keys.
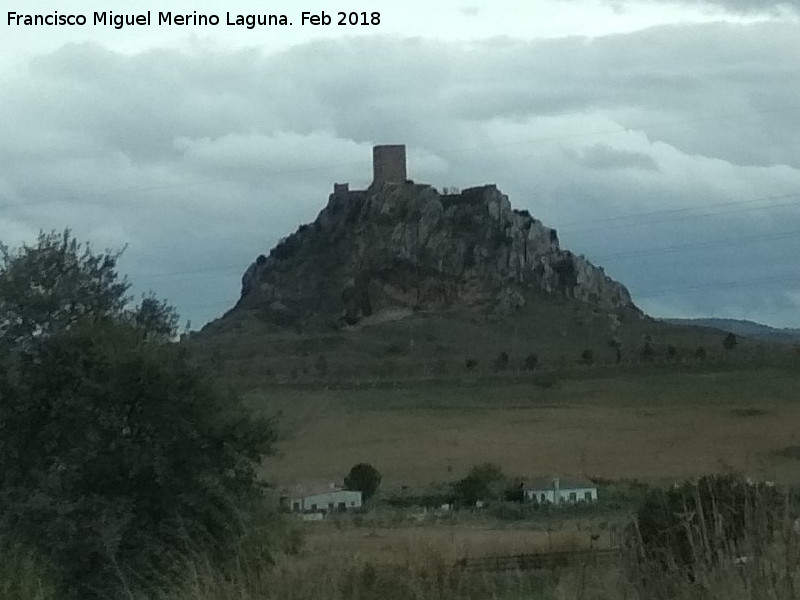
{"x": 364, "y": 478}
{"x": 321, "y": 365}
{"x": 501, "y": 362}
{"x": 587, "y": 357}
{"x": 730, "y": 341}
{"x": 483, "y": 482}
{"x": 531, "y": 361}
{"x": 117, "y": 452}
{"x": 49, "y": 286}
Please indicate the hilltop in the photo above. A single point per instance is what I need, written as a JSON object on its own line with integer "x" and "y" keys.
{"x": 400, "y": 247}
{"x": 400, "y": 280}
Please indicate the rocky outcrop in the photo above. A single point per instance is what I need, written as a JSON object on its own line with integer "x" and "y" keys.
{"x": 406, "y": 246}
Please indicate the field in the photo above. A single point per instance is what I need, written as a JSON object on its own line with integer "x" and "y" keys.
{"x": 401, "y": 396}
{"x": 657, "y": 425}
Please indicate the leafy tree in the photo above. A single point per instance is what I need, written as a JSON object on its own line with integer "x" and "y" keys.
{"x": 531, "y": 361}
{"x": 156, "y": 318}
{"x": 321, "y": 365}
{"x": 730, "y": 341}
{"x": 483, "y": 482}
{"x": 648, "y": 352}
{"x": 616, "y": 345}
{"x": 501, "y": 362}
{"x": 700, "y": 353}
{"x": 470, "y": 364}
{"x": 50, "y": 286}
{"x": 587, "y": 357}
{"x": 117, "y": 453}
{"x": 364, "y": 478}
{"x": 672, "y": 352}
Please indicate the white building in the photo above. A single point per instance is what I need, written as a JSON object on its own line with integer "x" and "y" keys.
{"x": 559, "y": 490}
{"x": 320, "y": 499}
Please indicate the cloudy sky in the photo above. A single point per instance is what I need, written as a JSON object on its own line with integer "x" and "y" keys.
{"x": 661, "y": 139}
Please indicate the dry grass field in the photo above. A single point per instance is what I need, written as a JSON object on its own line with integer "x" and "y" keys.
{"x": 452, "y": 541}
{"x": 655, "y": 426}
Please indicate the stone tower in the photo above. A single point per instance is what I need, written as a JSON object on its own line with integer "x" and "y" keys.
{"x": 389, "y": 164}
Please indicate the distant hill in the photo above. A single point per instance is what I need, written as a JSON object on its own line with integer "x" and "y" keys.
{"x": 400, "y": 280}
{"x": 743, "y": 328}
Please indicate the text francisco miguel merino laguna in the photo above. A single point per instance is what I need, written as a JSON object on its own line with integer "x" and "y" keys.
{"x": 118, "y": 21}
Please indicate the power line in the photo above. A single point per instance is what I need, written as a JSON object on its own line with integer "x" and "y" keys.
{"x": 682, "y": 209}
{"x": 712, "y": 244}
{"x": 698, "y": 216}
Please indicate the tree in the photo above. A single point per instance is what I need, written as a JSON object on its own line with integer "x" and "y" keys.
{"x": 587, "y": 357}
{"x": 501, "y": 362}
{"x": 730, "y": 341}
{"x": 700, "y": 353}
{"x": 364, "y": 478}
{"x": 483, "y": 482}
{"x": 321, "y": 364}
{"x": 531, "y": 361}
{"x": 50, "y": 286}
{"x": 470, "y": 365}
{"x": 117, "y": 453}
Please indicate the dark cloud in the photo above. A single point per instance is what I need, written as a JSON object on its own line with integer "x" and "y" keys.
{"x": 201, "y": 160}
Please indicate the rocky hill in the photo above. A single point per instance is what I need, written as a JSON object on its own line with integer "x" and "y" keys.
{"x": 400, "y": 247}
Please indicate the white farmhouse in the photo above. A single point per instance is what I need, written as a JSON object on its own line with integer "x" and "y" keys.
{"x": 320, "y": 499}
{"x": 556, "y": 490}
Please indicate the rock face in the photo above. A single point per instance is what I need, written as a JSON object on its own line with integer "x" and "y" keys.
{"x": 403, "y": 245}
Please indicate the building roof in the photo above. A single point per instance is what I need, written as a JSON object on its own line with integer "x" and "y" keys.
{"x": 564, "y": 483}
{"x": 303, "y": 490}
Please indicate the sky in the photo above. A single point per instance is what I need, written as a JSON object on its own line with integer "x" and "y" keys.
{"x": 661, "y": 139}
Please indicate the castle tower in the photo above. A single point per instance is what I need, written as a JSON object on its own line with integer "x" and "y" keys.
{"x": 389, "y": 164}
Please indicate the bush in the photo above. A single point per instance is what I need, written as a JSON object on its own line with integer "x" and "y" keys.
{"x": 697, "y": 523}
